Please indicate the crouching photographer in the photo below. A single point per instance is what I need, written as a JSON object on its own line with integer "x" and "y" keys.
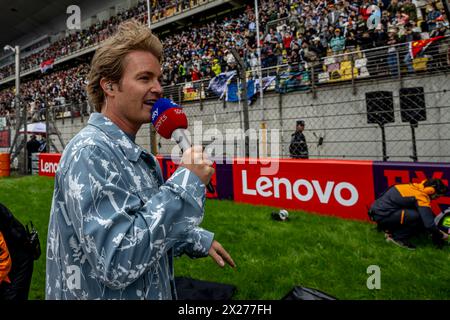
{"x": 404, "y": 211}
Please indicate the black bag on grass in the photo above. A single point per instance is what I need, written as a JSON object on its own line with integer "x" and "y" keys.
{"x": 192, "y": 289}
{"x": 304, "y": 293}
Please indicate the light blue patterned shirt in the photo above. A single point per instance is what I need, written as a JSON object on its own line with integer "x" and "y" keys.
{"x": 114, "y": 225}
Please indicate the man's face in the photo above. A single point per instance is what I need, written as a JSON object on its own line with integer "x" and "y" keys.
{"x": 300, "y": 127}
{"x": 139, "y": 88}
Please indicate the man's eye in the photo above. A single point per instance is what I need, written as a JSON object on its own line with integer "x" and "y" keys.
{"x": 144, "y": 78}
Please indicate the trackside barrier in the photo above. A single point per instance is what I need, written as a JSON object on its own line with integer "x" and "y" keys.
{"x": 342, "y": 188}
{"x": 48, "y": 163}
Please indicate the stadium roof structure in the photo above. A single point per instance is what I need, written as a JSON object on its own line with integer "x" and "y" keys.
{"x": 24, "y": 17}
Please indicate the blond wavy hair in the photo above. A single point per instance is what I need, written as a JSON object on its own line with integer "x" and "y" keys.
{"x": 108, "y": 60}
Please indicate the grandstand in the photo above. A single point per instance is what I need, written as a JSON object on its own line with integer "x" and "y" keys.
{"x": 323, "y": 59}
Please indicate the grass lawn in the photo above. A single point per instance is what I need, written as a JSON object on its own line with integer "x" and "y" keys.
{"x": 322, "y": 252}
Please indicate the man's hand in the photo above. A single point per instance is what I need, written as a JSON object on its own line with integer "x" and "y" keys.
{"x": 197, "y": 161}
{"x": 219, "y": 254}
{"x": 444, "y": 235}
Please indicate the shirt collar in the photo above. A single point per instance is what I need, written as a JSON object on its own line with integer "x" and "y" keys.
{"x": 131, "y": 150}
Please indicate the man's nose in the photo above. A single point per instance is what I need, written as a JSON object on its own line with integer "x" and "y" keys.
{"x": 157, "y": 89}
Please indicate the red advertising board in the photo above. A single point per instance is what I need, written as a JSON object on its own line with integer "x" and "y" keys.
{"x": 168, "y": 167}
{"x": 339, "y": 188}
{"x": 387, "y": 174}
{"x": 4, "y": 139}
{"x": 48, "y": 163}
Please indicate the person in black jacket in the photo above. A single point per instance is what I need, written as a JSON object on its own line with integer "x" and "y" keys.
{"x": 32, "y": 147}
{"x": 298, "y": 148}
{"x": 404, "y": 211}
{"x": 22, "y": 257}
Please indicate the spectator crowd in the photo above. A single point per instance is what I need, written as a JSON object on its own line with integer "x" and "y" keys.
{"x": 292, "y": 32}
{"x": 55, "y": 89}
{"x": 99, "y": 32}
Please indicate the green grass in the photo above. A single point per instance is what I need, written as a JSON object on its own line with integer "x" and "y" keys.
{"x": 311, "y": 250}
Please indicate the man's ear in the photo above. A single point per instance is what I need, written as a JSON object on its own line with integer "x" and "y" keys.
{"x": 107, "y": 86}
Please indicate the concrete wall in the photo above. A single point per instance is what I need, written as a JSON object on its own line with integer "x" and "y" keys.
{"x": 340, "y": 117}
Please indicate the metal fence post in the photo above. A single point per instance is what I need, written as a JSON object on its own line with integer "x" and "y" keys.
{"x": 200, "y": 95}
{"x": 313, "y": 81}
{"x": 352, "y": 66}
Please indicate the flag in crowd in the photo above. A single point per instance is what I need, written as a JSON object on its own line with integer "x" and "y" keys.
{"x": 221, "y": 85}
{"x": 218, "y": 84}
{"x": 46, "y": 65}
{"x": 416, "y": 47}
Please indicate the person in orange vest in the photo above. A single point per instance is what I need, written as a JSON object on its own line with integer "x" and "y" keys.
{"x": 404, "y": 210}
{"x": 17, "y": 255}
{"x": 5, "y": 261}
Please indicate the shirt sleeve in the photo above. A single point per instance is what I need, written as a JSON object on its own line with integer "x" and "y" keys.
{"x": 121, "y": 236}
{"x": 197, "y": 243}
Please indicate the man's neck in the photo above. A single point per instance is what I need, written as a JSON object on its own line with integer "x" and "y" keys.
{"x": 123, "y": 124}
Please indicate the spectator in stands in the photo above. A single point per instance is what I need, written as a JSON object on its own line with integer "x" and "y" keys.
{"x": 337, "y": 42}
{"x": 393, "y": 8}
{"x": 298, "y": 148}
{"x": 441, "y": 59}
{"x": 318, "y": 47}
{"x": 409, "y": 9}
{"x": 432, "y": 16}
{"x": 301, "y": 21}
{"x": 216, "y": 68}
{"x": 111, "y": 206}
{"x": 392, "y": 58}
{"x": 404, "y": 211}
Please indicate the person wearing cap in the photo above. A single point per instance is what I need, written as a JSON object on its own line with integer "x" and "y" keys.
{"x": 337, "y": 43}
{"x": 404, "y": 211}
{"x": 298, "y": 148}
{"x": 317, "y": 47}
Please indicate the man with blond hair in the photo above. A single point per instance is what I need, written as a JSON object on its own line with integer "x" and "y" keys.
{"x": 115, "y": 225}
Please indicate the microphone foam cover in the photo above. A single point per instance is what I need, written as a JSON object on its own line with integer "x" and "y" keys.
{"x": 167, "y": 116}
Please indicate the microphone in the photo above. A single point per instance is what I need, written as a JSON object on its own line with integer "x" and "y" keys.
{"x": 170, "y": 121}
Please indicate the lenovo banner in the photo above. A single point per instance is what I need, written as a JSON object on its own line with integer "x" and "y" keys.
{"x": 48, "y": 163}
{"x": 339, "y": 188}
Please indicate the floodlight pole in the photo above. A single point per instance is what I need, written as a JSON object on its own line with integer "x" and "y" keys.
{"x": 261, "y": 89}
{"x": 21, "y": 117}
{"x": 243, "y": 97}
{"x": 149, "y": 14}
{"x": 153, "y": 145}
{"x": 258, "y": 48}
{"x": 24, "y": 112}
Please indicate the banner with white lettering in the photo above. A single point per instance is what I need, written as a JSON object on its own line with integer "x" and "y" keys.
{"x": 389, "y": 173}
{"x": 332, "y": 187}
{"x": 48, "y": 163}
